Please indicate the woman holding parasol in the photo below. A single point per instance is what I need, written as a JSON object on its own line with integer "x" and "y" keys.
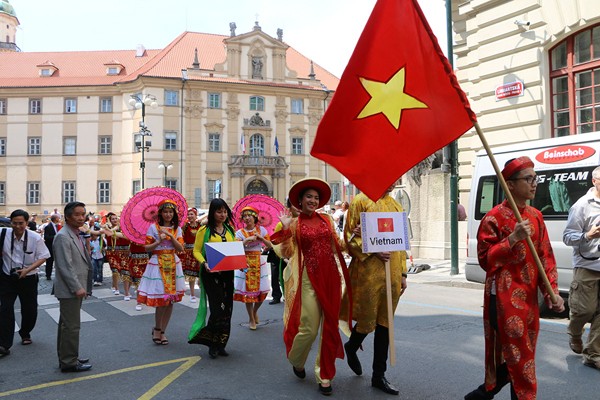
{"x": 217, "y": 286}
{"x": 313, "y": 284}
{"x": 162, "y": 283}
{"x": 252, "y": 285}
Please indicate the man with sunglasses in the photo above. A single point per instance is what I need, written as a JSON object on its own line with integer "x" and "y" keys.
{"x": 23, "y": 251}
{"x": 583, "y": 233}
{"x": 510, "y": 307}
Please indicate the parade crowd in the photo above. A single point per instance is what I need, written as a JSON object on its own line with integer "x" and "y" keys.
{"x": 306, "y": 257}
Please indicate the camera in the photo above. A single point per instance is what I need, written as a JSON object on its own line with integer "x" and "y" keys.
{"x": 15, "y": 271}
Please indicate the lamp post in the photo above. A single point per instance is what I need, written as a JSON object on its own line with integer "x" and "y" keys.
{"x": 166, "y": 167}
{"x": 141, "y": 143}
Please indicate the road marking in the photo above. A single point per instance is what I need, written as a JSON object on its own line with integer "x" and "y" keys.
{"x": 54, "y": 313}
{"x": 188, "y": 362}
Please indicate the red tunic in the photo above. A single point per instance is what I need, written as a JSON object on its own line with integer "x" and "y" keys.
{"x": 191, "y": 266}
{"x": 516, "y": 280}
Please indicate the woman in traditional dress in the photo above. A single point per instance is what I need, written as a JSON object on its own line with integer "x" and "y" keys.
{"x": 163, "y": 283}
{"x": 313, "y": 284}
{"x": 252, "y": 284}
{"x": 117, "y": 251}
{"x": 191, "y": 266}
{"x": 217, "y": 286}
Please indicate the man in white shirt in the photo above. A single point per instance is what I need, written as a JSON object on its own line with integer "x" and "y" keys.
{"x": 23, "y": 251}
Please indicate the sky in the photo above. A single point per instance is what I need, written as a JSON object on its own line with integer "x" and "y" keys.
{"x": 325, "y": 31}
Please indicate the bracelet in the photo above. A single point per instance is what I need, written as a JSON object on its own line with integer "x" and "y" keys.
{"x": 404, "y": 275}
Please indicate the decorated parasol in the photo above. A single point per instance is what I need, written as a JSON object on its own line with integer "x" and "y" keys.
{"x": 268, "y": 211}
{"x": 141, "y": 210}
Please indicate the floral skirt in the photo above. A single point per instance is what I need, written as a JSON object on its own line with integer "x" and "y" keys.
{"x": 252, "y": 285}
{"x": 160, "y": 287}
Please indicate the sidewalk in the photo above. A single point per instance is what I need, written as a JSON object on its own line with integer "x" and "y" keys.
{"x": 438, "y": 272}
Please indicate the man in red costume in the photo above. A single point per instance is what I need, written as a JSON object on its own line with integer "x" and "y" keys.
{"x": 511, "y": 312}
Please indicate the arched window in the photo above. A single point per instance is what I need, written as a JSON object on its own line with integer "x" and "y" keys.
{"x": 575, "y": 83}
{"x": 257, "y": 103}
{"x": 257, "y": 145}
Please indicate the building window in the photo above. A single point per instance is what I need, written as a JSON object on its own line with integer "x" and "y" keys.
{"x": 214, "y": 100}
{"x": 69, "y": 146}
{"x": 171, "y": 183}
{"x": 105, "y": 145}
{"x": 171, "y": 98}
{"x": 70, "y": 106}
{"x": 212, "y": 189}
{"x": 136, "y": 186}
{"x": 575, "y": 83}
{"x": 35, "y": 106}
{"x": 103, "y": 192}
{"x": 33, "y": 193}
{"x": 68, "y": 192}
{"x": 297, "y": 146}
{"x": 335, "y": 192}
{"x": 106, "y": 105}
{"x": 3, "y": 106}
{"x": 2, "y": 147}
{"x": 257, "y": 103}
{"x": 34, "y": 147}
{"x": 170, "y": 140}
{"x": 2, "y": 192}
{"x": 112, "y": 71}
{"x": 257, "y": 145}
{"x": 214, "y": 142}
{"x": 297, "y": 106}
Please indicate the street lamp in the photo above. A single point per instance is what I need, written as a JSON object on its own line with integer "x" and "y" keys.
{"x": 166, "y": 167}
{"x": 141, "y": 143}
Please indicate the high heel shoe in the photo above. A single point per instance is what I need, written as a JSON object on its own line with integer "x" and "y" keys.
{"x": 164, "y": 341}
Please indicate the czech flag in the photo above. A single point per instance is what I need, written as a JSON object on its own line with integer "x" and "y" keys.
{"x": 225, "y": 256}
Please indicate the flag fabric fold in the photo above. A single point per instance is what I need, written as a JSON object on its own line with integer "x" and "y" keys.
{"x": 243, "y": 144}
{"x": 276, "y": 146}
{"x": 398, "y": 101}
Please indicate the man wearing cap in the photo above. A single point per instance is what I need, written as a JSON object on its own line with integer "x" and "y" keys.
{"x": 510, "y": 308}
{"x": 583, "y": 233}
{"x": 367, "y": 276}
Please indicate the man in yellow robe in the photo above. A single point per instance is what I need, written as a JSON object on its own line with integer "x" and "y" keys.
{"x": 367, "y": 276}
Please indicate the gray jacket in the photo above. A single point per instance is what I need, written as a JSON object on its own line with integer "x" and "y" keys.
{"x": 72, "y": 263}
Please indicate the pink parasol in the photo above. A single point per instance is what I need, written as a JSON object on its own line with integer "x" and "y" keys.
{"x": 268, "y": 211}
{"x": 140, "y": 211}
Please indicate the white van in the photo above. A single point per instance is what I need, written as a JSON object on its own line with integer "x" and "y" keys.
{"x": 564, "y": 165}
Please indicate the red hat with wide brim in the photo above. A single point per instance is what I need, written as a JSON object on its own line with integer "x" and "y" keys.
{"x": 317, "y": 184}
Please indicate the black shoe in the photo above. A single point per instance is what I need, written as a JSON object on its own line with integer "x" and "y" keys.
{"x": 275, "y": 301}
{"x": 325, "y": 390}
{"x": 83, "y": 360}
{"x": 353, "y": 361}
{"x": 222, "y": 352}
{"x": 4, "y": 351}
{"x": 77, "y": 368}
{"x": 479, "y": 394}
{"x": 213, "y": 352}
{"x": 382, "y": 384}
{"x": 300, "y": 373}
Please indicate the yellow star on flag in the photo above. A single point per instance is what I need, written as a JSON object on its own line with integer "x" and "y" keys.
{"x": 389, "y": 98}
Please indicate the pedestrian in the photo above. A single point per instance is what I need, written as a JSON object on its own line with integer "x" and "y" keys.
{"x": 32, "y": 224}
{"x": 72, "y": 284}
{"x": 216, "y": 286}
{"x": 367, "y": 277}
{"x": 583, "y": 233}
{"x": 23, "y": 251}
{"x": 191, "y": 266}
{"x": 313, "y": 285}
{"x": 97, "y": 259}
{"x": 510, "y": 307}
{"x": 252, "y": 283}
{"x": 117, "y": 251}
{"x": 163, "y": 284}
{"x": 50, "y": 231}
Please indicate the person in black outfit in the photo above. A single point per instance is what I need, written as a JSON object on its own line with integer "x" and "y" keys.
{"x": 50, "y": 231}
{"x": 275, "y": 262}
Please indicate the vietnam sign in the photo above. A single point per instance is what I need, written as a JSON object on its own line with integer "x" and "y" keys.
{"x": 384, "y": 231}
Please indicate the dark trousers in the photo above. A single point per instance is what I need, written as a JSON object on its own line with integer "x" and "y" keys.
{"x": 381, "y": 344}
{"x": 49, "y": 261}
{"x": 69, "y": 325}
{"x": 275, "y": 289}
{"x": 26, "y": 289}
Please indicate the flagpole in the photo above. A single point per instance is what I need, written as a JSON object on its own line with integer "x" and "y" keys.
{"x": 513, "y": 206}
{"x": 390, "y": 312}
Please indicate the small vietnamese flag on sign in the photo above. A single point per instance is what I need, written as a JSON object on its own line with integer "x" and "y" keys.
{"x": 385, "y": 225}
{"x": 398, "y": 101}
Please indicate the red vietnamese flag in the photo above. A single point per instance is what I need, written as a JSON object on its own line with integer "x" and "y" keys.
{"x": 385, "y": 225}
{"x": 398, "y": 101}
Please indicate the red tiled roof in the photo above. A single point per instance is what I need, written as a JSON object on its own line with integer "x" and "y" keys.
{"x": 88, "y": 68}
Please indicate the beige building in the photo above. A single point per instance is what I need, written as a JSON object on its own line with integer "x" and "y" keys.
{"x": 207, "y": 108}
